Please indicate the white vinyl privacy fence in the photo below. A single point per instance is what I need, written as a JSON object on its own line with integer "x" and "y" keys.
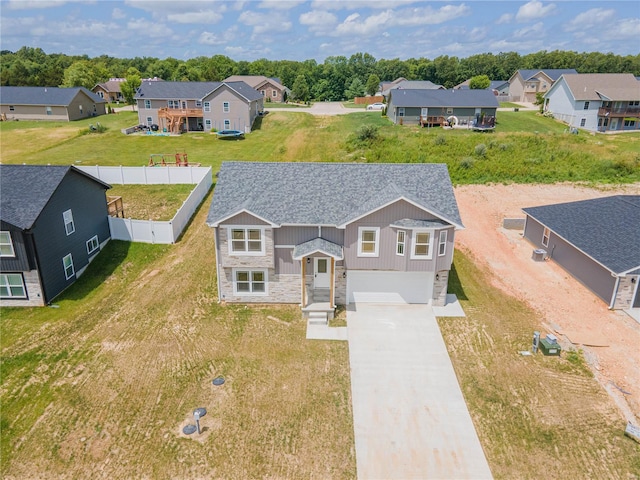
{"x": 151, "y": 231}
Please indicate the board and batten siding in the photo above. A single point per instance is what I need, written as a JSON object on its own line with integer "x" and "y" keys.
{"x": 243, "y": 218}
{"x": 20, "y": 261}
{"x": 87, "y": 201}
{"x": 588, "y": 272}
{"x": 387, "y": 258}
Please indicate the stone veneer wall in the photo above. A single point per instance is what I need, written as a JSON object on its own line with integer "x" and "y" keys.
{"x": 34, "y": 292}
{"x": 340, "y": 286}
{"x": 247, "y": 261}
{"x": 280, "y": 289}
{"x": 440, "y": 288}
{"x": 624, "y": 295}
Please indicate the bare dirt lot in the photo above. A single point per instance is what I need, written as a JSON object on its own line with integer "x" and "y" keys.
{"x": 565, "y": 306}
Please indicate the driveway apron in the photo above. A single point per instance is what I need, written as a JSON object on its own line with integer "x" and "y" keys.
{"x": 410, "y": 418}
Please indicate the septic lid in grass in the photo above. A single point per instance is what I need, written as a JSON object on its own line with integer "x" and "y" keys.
{"x": 201, "y": 412}
{"x": 218, "y": 381}
{"x": 189, "y": 429}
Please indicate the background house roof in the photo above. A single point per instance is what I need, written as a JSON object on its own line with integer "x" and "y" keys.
{"x": 595, "y": 86}
{"x": 255, "y": 80}
{"x": 443, "y": 98}
{"x": 328, "y": 193}
{"x": 154, "y": 90}
{"x": 43, "y": 95}
{"x": 412, "y": 85}
{"x": 26, "y": 189}
{"x": 607, "y": 229}
{"x": 552, "y": 73}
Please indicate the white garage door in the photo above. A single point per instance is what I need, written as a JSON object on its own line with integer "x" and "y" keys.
{"x": 389, "y": 287}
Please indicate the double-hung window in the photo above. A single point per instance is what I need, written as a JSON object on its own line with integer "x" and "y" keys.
{"x": 246, "y": 241}
{"x": 250, "y": 282}
{"x": 227, "y": 124}
{"x": 69, "y": 226}
{"x": 422, "y": 244}
{"x": 147, "y": 104}
{"x": 92, "y": 245}
{"x": 400, "y": 240}
{"x": 546, "y": 233}
{"x": 6, "y": 245}
{"x": 67, "y": 263}
{"x": 368, "y": 241}
{"x": 225, "y": 107}
{"x": 586, "y": 105}
{"x": 442, "y": 243}
{"x": 12, "y": 286}
{"x": 207, "y": 106}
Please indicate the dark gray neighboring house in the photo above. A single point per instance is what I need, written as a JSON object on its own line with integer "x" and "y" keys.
{"x": 50, "y": 103}
{"x": 321, "y": 234}
{"x": 53, "y": 222}
{"x": 597, "y": 241}
{"x": 422, "y": 107}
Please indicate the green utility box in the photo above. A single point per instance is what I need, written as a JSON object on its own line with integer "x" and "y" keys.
{"x": 549, "y": 348}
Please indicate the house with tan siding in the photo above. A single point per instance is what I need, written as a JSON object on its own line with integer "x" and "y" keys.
{"x": 525, "y": 84}
{"x": 327, "y": 234}
{"x": 271, "y": 88}
{"x": 49, "y": 103}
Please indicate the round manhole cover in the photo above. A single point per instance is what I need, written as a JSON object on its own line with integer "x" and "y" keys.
{"x": 189, "y": 429}
{"x": 218, "y": 381}
{"x": 201, "y": 412}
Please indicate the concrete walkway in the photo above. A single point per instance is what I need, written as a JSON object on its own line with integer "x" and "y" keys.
{"x": 410, "y": 419}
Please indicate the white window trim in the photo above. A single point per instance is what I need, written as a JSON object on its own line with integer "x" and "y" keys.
{"x": 227, "y": 124}
{"x": 403, "y": 242}
{"x": 376, "y": 242}
{"x": 147, "y": 104}
{"x": 93, "y": 242}
{"x": 198, "y": 103}
{"x": 442, "y": 243}
{"x": 206, "y": 106}
{"x": 414, "y": 237}
{"x": 546, "y": 233}
{"x": 73, "y": 270}
{"x": 13, "y": 252}
{"x": 4, "y": 280}
{"x": 400, "y": 111}
{"x": 263, "y": 242}
{"x": 67, "y": 217}
{"x": 207, "y": 123}
{"x": 264, "y": 271}
{"x": 226, "y": 107}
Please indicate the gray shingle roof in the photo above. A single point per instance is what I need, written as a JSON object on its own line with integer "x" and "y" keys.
{"x": 328, "y": 193}
{"x": 443, "y": 98}
{"x": 606, "y": 229}
{"x": 553, "y": 73}
{"x": 43, "y": 95}
{"x": 26, "y": 189}
{"x": 190, "y": 90}
{"x": 318, "y": 245}
{"x": 410, "y": 223}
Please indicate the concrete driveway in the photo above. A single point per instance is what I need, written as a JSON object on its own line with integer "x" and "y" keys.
{"x": 319, "y": 108}
{"x": 410, "y": 419}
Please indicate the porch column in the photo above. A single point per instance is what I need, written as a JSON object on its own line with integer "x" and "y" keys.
{"x": 332, "y": 285}
{"x": 303, "y": 274}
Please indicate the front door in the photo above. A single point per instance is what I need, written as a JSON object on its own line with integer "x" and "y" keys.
{"x": 321, "y": 275}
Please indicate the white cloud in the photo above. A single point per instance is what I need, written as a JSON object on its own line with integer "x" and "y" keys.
{"x": 210, "y": 38}
{"x": 505, "y": 18}
{"x": 145, "y": 28}
{"x": 590, "y": 18}
{"x": 534, "y": 10}
{"x": 535, "y": 30}
{"x": 357, "y": 4}
{"x": 318, "y": 21}
{"x": 33, "y": 4}
{"x": 118, "y": 14}
{"x": 280, "y": 4}
{"x": 202, "y": 16}
{"x": 264, "y": 23}
{"x": 371, "y": 25}
{"x": 628, "y": 28}
{"x": 429, "y": 16}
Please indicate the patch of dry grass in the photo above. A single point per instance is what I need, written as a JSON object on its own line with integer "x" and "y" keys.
{"x": 151, "y": 202}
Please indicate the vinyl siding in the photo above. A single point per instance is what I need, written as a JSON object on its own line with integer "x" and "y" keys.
{"x": 591, "y": 274}
{"x": 20, "y": 262}
{"x": 87, "y": 201}
{"x": 241, "y": 113}
{"x": 35, "y": 112}
{"x": 244, "y": 219}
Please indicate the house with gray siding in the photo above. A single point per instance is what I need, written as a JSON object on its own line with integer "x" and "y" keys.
{"x": 597, "y": 241}
{"x": 198, "y": 106}
{"x": 49, "y": 103}
{"x": 598, "y": 102}
{"x": 322, "y": 234}
{"x": 437, "y": 107}
{"x": 53, "y": 222}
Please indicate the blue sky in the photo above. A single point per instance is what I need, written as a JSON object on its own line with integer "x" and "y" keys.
{"x": 301, "y": 30}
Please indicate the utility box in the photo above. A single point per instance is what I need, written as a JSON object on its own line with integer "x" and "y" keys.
{"x": 539, "y": 255}
{"x": 549, "y": 347}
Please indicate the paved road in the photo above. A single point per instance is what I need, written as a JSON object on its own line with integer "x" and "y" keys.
{"x": 410, "y": 419}
{"x": 320, "y": 108}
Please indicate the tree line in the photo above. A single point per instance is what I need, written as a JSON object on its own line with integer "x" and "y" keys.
{"x": 337, "y": 78}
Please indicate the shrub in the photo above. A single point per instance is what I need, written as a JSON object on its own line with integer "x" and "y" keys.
{"x": 367, "y": 133}
{"x": 467, "y": 163}
{"x": 440, "y": 140}
{"x": 480, "y": 150}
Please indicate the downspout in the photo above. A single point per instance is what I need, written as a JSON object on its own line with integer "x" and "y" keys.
{"x": 215, "y": 239}
{"x": 32, "y": 246}
{"x": 615, "y": 292}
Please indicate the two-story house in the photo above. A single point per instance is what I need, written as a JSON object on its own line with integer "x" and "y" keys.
{"x": 198, "y": 106}
{"x": 53, "y": 222}
{"x": 271, "y": 89}
{"x": 599, "y": 102}
{"x": 321, "y": 234}
{"x": 525, "y": 84}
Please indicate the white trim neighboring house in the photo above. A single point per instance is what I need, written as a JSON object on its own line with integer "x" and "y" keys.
{"x": 598, "y": 102}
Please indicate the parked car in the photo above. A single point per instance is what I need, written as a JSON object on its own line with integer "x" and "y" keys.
{"x": 375, "y": 106}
